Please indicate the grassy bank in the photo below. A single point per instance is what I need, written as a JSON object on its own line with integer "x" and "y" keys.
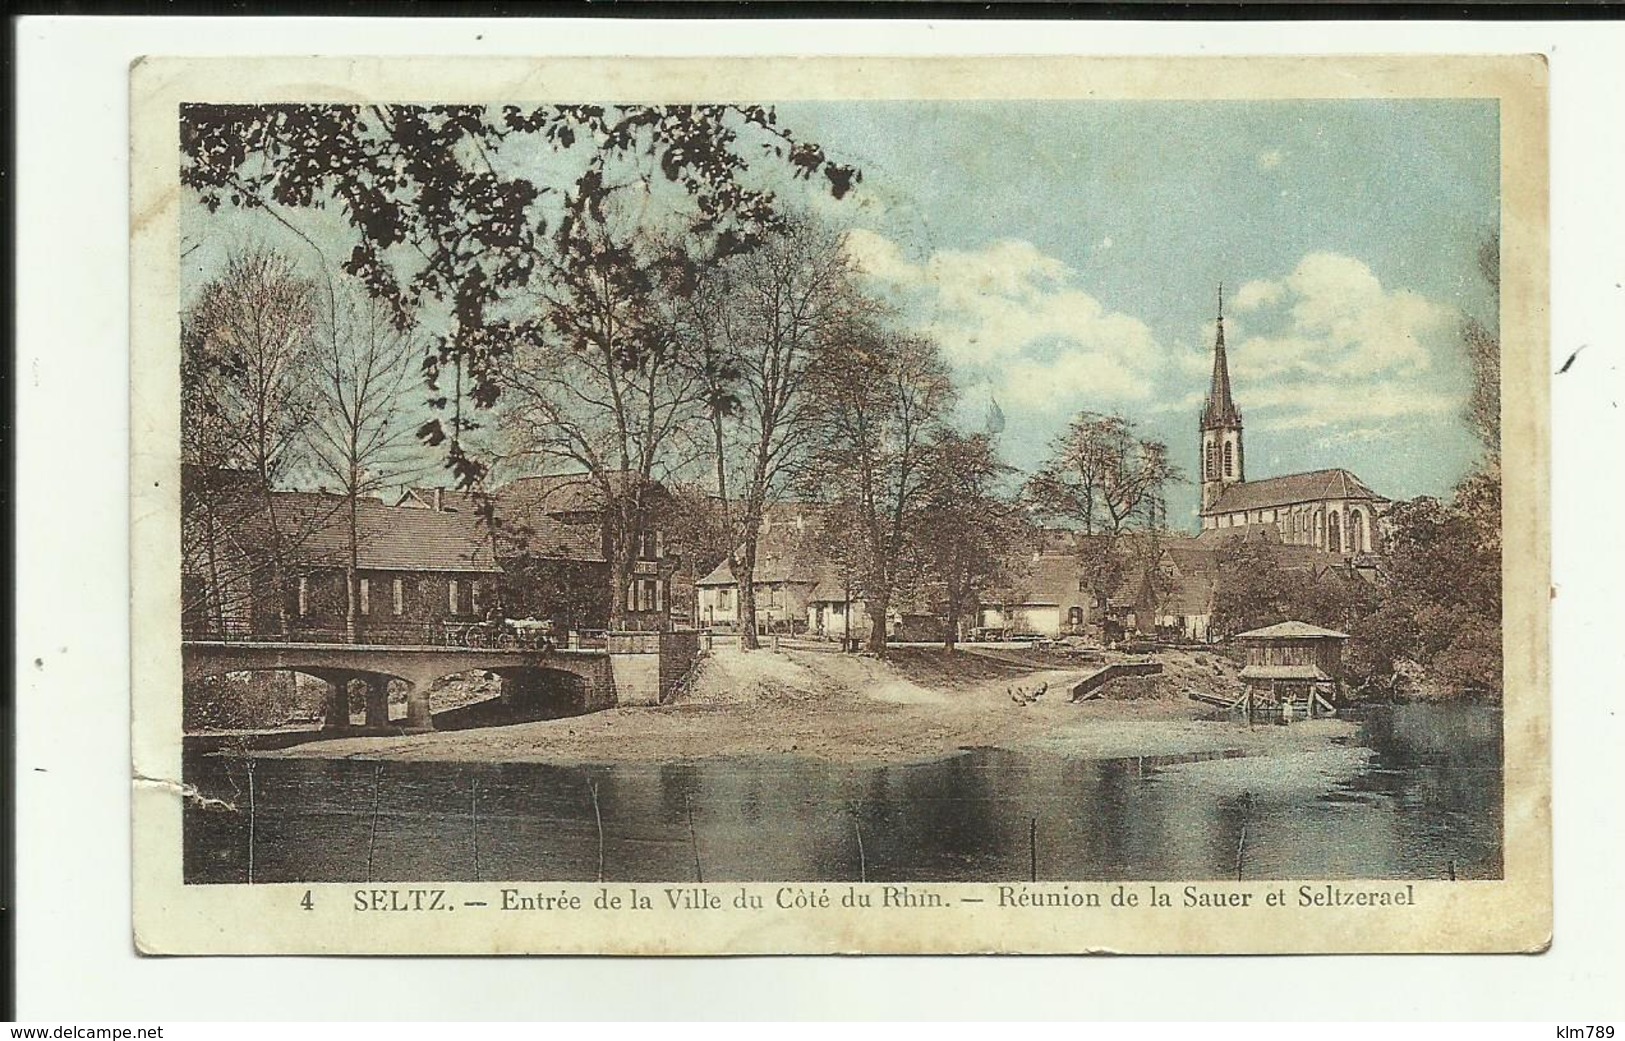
{"x": 921, "y": 703}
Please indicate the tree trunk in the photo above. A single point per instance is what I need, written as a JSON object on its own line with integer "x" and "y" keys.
{"x": 749, "y": 640}
{"x": 950, "y": 634}
{"x": 352, "y": 592}
{"x": 878, "y": 610}
{"x": 279, "y": 570}
{"x": 620, "y": 576}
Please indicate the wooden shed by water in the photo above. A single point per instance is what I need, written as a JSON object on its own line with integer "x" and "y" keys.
{"x": 1294, "y": 667}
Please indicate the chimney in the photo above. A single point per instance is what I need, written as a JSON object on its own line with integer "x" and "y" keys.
{"x": 439, "y": 500}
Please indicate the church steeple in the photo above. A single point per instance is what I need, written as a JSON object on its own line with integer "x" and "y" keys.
{"x": 1221, "y": 409}
{"x": 1221, "y": 459}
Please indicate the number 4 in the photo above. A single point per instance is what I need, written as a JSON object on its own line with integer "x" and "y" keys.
{"x": 307, "y": 903}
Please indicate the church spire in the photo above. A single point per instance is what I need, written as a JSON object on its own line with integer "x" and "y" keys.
{"x": 1220, "y": 410}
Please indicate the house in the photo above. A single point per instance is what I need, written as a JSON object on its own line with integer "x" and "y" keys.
{"x": 1190, "y": 576}
{"x": 415, "y": 570}
{"x": 1049, "y": 594}
{"x": 784, "y": 576}
{"x": 554, "y": 542}
{"x": 783, "y": 593}
{"x": 836, "y": 608}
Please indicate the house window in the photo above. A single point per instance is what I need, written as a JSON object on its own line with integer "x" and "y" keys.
{"x": 451, "y": 596}
{"x": 364, "y": 592}
{"x": 475, "y": 591}
{"x": 646, "y": 545}
{"x": 1229, "y": 459}
{"x": 660, "y": 595}
{"x": 400, "y": 597}
{"x": 304, "y": 596}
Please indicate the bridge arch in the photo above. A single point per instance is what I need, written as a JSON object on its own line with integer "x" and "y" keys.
{"x": 419, "y": 668}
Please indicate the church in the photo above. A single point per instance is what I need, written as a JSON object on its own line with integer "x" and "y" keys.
{"x": 1331, "y": 510}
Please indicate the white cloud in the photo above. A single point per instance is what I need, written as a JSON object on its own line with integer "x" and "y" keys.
{"x": 1342, "y": 348}
{"x": 1257, "y": 293}
{"x": 1017, "y": 315}
{"x": 879, "y": 258}
{"x": 1106, "y": 243}
{"x": 1269, "y": 160}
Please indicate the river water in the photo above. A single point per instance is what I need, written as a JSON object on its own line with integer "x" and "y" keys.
{"x": 1416, "y": 794}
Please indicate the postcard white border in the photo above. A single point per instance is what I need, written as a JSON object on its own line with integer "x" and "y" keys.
{"x": 71, "y": 482}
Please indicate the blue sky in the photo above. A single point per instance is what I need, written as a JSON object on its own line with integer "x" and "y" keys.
{"x": 1066, "y": 256}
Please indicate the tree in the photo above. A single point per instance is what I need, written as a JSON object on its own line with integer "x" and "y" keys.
{"x": 1252, "y": 590}
{"x": 1101, "y": 475}
{"x": 1106, "y": 480}
{"x": 606, "y": 386}
{"x": 761, "y": 321}
{"x": 1483, "y": 346}
{"x": 457, "y": 208}
{"x": 965, "y": 531}
{"x": 1442, "y": 603}
{"x": 362, "y": 366}
{"x": 247, "y": 343}
{"x": 878, "y": 402}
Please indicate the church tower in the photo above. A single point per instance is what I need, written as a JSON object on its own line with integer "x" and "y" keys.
{"x": 1221, "y": 459}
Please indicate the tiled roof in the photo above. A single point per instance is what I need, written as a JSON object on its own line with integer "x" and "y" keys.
{"x": 452, "y": 500}
{"x": 1051, "y": 578}
{"x": 1292, "y": 489}
{"x": 1291, "y": 631}
{"x": 772, "y": 569}
{"x": 315, "y": 531}
{"x": 534, "y": 514}
{"x": 831, "y": 587}
{"x": 1265, "y": 531}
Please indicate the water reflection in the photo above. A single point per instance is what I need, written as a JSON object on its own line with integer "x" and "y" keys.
{"x": 1416, "y": 795}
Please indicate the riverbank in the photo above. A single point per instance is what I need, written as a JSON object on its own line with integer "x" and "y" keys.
{"x": 920, "y": 704}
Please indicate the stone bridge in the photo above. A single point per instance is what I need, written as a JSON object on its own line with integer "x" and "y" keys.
{"x": 340, "y": 664}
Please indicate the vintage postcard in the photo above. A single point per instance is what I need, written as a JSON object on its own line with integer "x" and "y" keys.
{"x": 811, "y": 505}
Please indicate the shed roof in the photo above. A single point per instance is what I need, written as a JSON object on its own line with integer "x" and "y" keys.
{"x": 1292, "y": 631}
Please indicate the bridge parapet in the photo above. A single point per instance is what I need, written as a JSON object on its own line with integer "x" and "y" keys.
{"x": 631, "y": 669}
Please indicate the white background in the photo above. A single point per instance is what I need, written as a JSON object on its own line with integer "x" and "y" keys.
{"x": 75, "y": 960}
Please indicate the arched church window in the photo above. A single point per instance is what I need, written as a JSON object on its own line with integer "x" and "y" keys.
{"x": 1320, "y": 528}
{"x": 1212, "y": 462}
{"x": 1229, "y": 459}
{"x": 1357, "y": 535}
{"x": 1334, "y": 533}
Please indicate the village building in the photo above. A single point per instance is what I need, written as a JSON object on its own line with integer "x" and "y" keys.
{"x": 553, "y": 544}
{"x": 836, "y": 607}
{"x": 415, "y": 571}
{"x": 1048, "y": 594}
{"x": 1332, "y": 510}
{"x": 784, "y": 577}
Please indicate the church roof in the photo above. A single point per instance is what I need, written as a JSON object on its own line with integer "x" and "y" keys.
{"x": 1220, "y": 409}
{"x": 1292, "y": 489}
